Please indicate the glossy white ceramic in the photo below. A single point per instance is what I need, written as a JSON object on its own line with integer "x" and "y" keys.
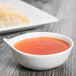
{"x": 36, "y": 16}
{"x": 40, "y": 62}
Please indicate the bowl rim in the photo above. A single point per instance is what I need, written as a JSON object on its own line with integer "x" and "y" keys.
{"x": 72, "y": 44}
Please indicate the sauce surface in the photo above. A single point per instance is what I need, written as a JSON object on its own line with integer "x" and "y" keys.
{"x": 42, "y": 45}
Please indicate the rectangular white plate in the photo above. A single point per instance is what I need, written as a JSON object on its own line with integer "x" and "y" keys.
{"x": 36, "y": 16}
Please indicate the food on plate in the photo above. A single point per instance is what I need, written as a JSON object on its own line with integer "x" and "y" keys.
{"x": 42, "y": 45}
{"x": 10, "y": 16}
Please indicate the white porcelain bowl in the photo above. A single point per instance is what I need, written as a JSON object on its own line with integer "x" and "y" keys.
{"x": 40, "y": 62}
